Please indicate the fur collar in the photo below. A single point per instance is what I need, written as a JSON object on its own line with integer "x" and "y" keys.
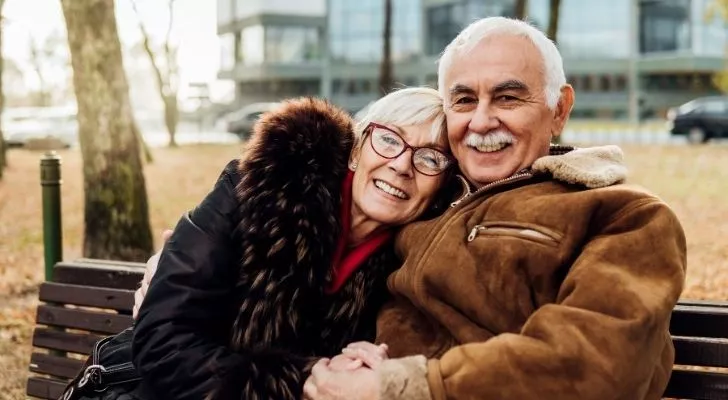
{"x": 289, "y": 195}
{"x": 593, "y": 167}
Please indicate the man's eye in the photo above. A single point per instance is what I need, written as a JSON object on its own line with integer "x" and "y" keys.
{"x": 506, "y": 97}
{"x": 463, "y": 100}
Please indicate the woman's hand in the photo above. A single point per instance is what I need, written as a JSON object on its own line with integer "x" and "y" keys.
{"x": 368, "y": 353}
{"x": 343, "y": 362}
{"x": 328, "y": 384}
{"x": 149, "y": 271}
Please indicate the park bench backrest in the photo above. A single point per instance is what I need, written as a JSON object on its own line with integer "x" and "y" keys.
{"x": 86, "y": 300}
{"x": 699, "y": 332}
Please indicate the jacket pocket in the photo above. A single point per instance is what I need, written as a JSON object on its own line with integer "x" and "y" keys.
{"x": 526, "y": 231}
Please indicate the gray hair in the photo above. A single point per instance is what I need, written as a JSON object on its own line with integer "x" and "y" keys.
{"x": 408, "y": 106}
{"x": 501, "y": 26}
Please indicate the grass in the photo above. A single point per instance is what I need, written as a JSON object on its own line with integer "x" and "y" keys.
{"x": 693, "y": 180}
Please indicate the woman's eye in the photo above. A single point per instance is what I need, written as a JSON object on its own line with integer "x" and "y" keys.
{"x": 430, "y": 161}
{"x": 390, "y": 140}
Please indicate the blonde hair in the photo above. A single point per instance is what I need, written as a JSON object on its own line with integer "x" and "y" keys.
{"x": 408, "y": 106}
{"x": 484, "y": 28}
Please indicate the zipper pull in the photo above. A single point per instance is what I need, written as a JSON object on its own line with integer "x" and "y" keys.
{"x": 474, "y": 232}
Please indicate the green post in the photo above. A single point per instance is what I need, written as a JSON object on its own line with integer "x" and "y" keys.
{"x": 50, "y": 180}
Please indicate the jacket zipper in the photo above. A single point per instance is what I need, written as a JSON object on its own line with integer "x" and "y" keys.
{"x": 474, "y": 232}
{"x": 513, "y": 178}
{"x": 523, "y": 232}
{"x": 438, "y": 231}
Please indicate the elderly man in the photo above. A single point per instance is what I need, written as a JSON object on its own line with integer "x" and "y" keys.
{"x": 533, "y": 285}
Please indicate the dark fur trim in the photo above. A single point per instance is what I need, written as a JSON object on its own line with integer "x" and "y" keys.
{"x": 289, "y": 222}
{"x": 290, "y": 195}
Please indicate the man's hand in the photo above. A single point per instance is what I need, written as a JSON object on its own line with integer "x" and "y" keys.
{"x": 149, "y": 272}
{"x": 326, "y": 383}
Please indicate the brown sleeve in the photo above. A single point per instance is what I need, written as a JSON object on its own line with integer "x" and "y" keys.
{"x": 607, "y": 334}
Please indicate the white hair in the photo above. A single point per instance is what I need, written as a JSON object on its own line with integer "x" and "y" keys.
{"x": 489, "y": 27}
{"x": 408, "y": 106}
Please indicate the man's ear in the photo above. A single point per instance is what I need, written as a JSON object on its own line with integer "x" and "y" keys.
{"x": 563, "y": 109}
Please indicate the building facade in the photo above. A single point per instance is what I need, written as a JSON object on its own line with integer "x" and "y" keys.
{"x": 655, "y": 53}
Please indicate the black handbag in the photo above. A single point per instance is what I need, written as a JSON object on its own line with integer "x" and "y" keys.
{"x": 108, "y": 373}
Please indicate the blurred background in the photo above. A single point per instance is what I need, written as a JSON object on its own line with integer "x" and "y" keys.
{"x": 633, "y": 63}
{"x": 649, "y": 75}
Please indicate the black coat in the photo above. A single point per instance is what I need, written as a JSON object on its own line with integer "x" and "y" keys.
{"x": 237, "y": 308}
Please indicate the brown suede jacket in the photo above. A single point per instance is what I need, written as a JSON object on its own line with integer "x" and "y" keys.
{"x": 557, "y": 283}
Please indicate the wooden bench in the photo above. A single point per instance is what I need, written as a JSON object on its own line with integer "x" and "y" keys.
{"x": 87, "y": 299}
{"x": 84, "y": 301}
{"x": 699, "y": 332}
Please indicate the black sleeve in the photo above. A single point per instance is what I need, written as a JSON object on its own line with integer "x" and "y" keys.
{"x": 180, "y": 344}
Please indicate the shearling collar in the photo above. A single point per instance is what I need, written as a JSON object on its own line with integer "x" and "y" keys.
{"x": 592, "y": 167}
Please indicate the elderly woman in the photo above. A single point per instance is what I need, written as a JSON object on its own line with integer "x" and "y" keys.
{"x": 285, "y": 261}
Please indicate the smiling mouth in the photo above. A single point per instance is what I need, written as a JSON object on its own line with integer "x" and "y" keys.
{"x": 391, "y": 190}
{"x": 490, "y": 147}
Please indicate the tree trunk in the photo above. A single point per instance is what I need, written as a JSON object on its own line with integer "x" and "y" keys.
{"x": 521, "y": 7}
{"x": 116, "y": 212}
{"x": 3, "y": 147}
{"x": 553, "y": 30}
{"x": 171, "y": 117}
{"x": 386, "y": 79}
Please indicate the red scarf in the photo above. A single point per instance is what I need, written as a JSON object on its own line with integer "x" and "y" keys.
{"x": 345, "y": 263}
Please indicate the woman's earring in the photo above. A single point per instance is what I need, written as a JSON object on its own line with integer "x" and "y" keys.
{"x": 352, "y": 166}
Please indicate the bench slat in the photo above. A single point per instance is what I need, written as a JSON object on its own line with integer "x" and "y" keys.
{"x": 703, "y": 303}
{"x": 701, "y": 352}
{"x": 117, "y": 263}
{"x": 61, "y": 367}
{"x": 104, "y": 274}
{"x": 44, "y": 388}
{"x": 698, "y": 385}
{"x": 81, "y": 343}
{"x": 99, "y": 322}
{"x": 699, "y": 321}
{"x": 63, "y": 293}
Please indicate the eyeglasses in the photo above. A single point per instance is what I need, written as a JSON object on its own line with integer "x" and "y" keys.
{"x": 389, "y": 144}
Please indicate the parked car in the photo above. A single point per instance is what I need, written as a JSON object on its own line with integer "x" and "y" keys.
{"x": 26, "y": 124}
{"x": 700, "y": 120}
{"x": 241, "y": 122}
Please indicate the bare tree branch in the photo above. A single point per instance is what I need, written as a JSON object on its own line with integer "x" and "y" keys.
{"x": 167, "y": 80}
{"x": 171, "y": 64}
{"x": 146, "y": 42}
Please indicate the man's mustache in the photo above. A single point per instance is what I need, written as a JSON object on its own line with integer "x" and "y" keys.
{"x": 492, "y": 138}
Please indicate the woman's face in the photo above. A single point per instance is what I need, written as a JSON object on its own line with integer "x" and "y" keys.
{"x": 392, "y": 191}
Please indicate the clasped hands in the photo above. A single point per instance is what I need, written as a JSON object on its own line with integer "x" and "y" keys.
{"x": 350, "y": 375}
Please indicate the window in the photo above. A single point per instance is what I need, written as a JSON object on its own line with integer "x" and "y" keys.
{"x": 605, "y": 83}
{"x": 356, "y": 30}
{"x": 291, "y": 44}
{"x": 251, "y": 39}
{"x": 714, "y": 107}
{"x": 664, "y": 26}
{"x": 227, "y": 51}
{"x": 443, "y": 25}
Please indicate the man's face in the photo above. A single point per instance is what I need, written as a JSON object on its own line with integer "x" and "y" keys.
{"x": 497, "y": 118}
